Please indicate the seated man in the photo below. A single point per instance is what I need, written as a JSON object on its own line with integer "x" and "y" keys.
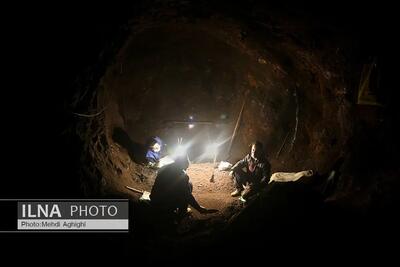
{"x": 252, "y": 170}
{"x": 153, "y": 153}
{"x": 172, "y": 190}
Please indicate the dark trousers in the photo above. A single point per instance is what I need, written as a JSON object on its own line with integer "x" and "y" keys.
{"x": 183, "y": 204}
{"x": 241, "y": 178}
{"x": 175, "y": 200}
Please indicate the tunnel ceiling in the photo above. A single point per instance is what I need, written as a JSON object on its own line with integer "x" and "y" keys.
{"x": 170, "y": 73}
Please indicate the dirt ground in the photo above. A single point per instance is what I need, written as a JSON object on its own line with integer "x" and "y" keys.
{"x": 215, "y": 195}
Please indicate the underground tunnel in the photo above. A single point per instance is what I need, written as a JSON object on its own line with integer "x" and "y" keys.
{"x": 204, "y": 76}
{"x": 190, "y": 82}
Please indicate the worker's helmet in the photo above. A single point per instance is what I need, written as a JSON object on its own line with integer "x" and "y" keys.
{"x": 182, "y": 162}
{"x": 154, "y": 140}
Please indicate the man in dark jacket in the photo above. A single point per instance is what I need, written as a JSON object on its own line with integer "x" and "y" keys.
{"x": 172, "y": 190}
{"x": 253, "y": 170}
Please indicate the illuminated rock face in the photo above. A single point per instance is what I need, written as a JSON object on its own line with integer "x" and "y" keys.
{"x": 167, "y": 76}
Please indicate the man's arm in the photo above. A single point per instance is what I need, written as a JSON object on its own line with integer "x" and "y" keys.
{"x": 193, "y": 202}
{"x": 240, "y": 164}
{"x": 266, "y": 172}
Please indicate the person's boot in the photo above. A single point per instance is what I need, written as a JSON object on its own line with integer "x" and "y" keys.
{"x": 236, "y": 193}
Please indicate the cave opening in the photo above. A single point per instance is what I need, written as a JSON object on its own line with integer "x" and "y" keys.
{"x": 313, "y": 90}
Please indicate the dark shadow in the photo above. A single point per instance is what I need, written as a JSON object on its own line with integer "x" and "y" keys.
{"x": 326, "y": 183}
{"x": 135, "y": 150}
{"x": 332, "y": 178}
{"x": 287, "y": 218}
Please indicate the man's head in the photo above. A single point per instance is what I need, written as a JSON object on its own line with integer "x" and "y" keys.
{"x": 256, "y": 150}
{"x": 154, "y": 144}
{"x": 182, "y": 162}
{"x": 156, "y": 147}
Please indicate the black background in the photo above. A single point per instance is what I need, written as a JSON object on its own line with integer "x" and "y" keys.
{"x": 46, "y": 46}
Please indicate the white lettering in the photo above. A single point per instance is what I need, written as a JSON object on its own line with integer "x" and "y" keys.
{"x": 74, "y": 208}
{"x": 44, "y": 211}
{"x": 82, "y": 211}
{"x": 55, "y": 210}
{"x": 40, "y": 211}
{"x": 96, "y": 211}
{"x": 30, "y": 215}
{"x": 102, "y": 209}
{"x": 115, "y": 210}
{"x": 93, "y": 210}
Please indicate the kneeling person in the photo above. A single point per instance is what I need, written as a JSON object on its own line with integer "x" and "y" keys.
{"x": 172, "y": 190}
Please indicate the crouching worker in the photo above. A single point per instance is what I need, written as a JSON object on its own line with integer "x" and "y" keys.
{"x": 172, "y": 190}
{"x": 153, "y": 153}
{"x": 251, "y": 172}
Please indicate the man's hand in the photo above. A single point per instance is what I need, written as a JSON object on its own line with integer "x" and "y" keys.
{"x": 265, "y": 180}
